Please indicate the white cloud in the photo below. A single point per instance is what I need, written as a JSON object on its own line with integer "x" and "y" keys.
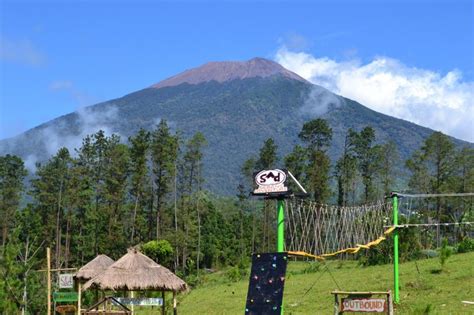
{"x": 20, "y": 51}
{"x": 425, "y": 97}
{"x": 89, "y": 122}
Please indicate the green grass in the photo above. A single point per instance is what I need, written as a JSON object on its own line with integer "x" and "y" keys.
{"x": 308, "y": 291}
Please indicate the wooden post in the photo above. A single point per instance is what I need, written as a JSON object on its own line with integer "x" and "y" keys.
{"x": 390, "y": 303}
{"x": 163, "y": 307}
{"x": 336, "y": 304}
{"x": 132, "y": 295}
{"x": 48, "y": 267}
{"x": 175, "y": 309}
{"x": 79, "y": 293}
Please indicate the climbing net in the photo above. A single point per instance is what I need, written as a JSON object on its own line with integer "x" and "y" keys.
{"x": 321, "y": 229}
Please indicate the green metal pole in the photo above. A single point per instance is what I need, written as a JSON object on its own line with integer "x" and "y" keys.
{"x": 280, "y": 226}
{"x": 280, "y": 232}
{"x": 395, "y": 249}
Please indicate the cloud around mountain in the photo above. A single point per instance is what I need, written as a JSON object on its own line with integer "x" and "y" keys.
{"x": 425, "y": 97}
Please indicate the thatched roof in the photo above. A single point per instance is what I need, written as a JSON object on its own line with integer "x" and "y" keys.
{"x": 94, "y": 267}
{"x": 136, "y": 272}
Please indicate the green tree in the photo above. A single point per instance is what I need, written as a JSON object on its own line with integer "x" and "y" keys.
{"x": 160, "y": 251}
{"x": 366, "y": 154}
{"x": 191, "y": 170}
{"x": 12, "y": 174}
{"x": 318, "y": 135}
{"x": 268, "y": 155}
{"x": 140, "y": 144}
{"x": 386, "y": 158}
{"x": 432, "y": 169}
{"x": 51, "y": 192}
{"x": 346, "y": 173}
{"x": 115, "y": 187}
{"x": 295, "y": 162}
{"x": 164, "y": 151}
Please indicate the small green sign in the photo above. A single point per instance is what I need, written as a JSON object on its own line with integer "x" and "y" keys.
{"x": 64, "y": 296}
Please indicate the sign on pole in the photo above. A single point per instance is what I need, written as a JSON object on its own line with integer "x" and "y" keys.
{"x": 355, "y": 302}
{"x": 271, "y": 182}
{"x": 66, "y": 281}
{"x": 363, "y": 305}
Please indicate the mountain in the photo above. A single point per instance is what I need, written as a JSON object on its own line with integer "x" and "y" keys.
{"x": 236, "y": 105}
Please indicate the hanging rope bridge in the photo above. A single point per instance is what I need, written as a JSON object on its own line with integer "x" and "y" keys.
{"x": 322, "y": 231}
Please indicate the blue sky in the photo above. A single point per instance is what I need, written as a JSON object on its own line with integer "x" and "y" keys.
{"x": 56, "y": 56}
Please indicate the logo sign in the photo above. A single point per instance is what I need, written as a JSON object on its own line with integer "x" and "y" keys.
{"x": 64, "y": 296}
{"x": 140, "y": 301}
{"x": 271, "y": 181}
{"x": 363, "y": 305}
{"x": 66, "y": 281}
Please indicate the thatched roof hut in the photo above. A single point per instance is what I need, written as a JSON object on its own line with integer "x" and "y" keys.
{"x": 94, "y": 267}
{"x": 137, "y": 272}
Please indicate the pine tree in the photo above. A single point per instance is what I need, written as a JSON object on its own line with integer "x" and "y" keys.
{"x": 164, "y": 151}
{"x": 268, "y": 155}
{"x": 12, "y": 173}
{"x": 318, "y": 135}
{"x": 140, "y": 144}
{"x": 51, "y": 191}
{"x": 115, "y": 188}
{"x": 432, "y": 169}
{"x": 346, "y": 173}
{"x": 296, "y": 162}
{"x": 366, "y": 154}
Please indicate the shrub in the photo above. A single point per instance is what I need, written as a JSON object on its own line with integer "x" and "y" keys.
{"x": 160, "y": 251}
{"x": 445, "y": 253}
{"x": 235, "y": 274}
{"x": 466, "y": 245}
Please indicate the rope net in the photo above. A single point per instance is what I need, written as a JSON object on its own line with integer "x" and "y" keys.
{"x": 323, "y": 229}
{"x": 438, "y": 216}
{"x": 320, "y": 231}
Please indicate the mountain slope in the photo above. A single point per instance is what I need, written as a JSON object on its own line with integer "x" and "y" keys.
{"x": 235, "y": 110}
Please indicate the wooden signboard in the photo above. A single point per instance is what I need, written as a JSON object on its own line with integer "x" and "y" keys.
{"x": 65, "y": 309}
{"x": 351, "y": 304}
{"x": 362, "y": 302}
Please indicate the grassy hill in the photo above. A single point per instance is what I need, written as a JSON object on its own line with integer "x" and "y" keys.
{"x": 424, "y": 290}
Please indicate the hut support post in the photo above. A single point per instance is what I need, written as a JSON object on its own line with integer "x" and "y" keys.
{"x": 175, "y": 310}
{"x": 163, "y": 307}
{"x": 79, "y": 298}
{"x": 132, "y": 295}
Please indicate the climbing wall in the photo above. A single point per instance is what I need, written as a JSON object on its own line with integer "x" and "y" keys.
{"x": 267, "y": 280}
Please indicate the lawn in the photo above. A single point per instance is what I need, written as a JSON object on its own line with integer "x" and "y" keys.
{"x": 424, "y": 288}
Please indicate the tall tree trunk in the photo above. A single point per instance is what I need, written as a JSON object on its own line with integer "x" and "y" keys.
{"x": 24, "y": 305}
{"x": 68, "y": 226}
{"x": 132, "y": 237}
{"x": 175, "y": 217}
{"x": 58, "y": 236}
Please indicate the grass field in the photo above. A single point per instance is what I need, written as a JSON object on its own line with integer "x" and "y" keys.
{"x": 424, "y": 288}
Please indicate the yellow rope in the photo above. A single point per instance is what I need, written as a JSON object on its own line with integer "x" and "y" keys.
{"x": 350, "y": 250}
